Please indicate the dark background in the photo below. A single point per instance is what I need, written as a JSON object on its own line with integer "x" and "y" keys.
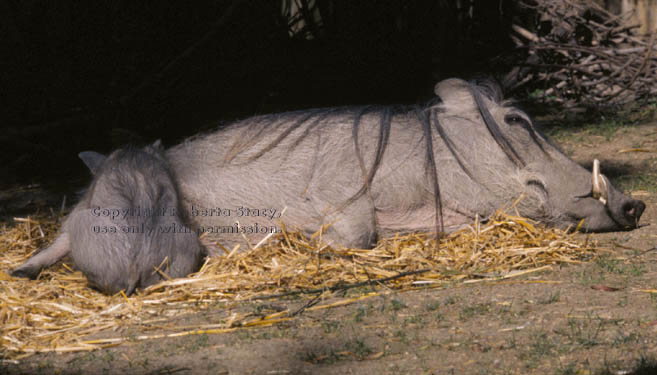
{"x": 101, "y": 74}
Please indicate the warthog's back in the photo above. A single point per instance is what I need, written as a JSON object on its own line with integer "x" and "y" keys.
{"x": 307, "y": 164}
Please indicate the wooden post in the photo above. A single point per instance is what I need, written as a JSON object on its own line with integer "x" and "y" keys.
{"x": 638, "y": 12}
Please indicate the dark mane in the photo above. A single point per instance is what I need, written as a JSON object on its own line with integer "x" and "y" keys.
{"x": 427, "y": 116}
{"x": 491, "y": 90}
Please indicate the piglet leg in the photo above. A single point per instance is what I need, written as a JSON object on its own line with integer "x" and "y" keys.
{"x": 59, "y": 249}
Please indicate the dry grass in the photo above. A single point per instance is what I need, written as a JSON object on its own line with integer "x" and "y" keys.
{"x": 60, "y": 313}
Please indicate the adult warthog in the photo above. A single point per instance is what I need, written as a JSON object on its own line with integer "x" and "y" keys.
{"x": 373, "y": 171}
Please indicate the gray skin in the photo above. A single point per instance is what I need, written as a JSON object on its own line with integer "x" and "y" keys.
{"x": 368, "y": 171}
{"x": 355, "y": 173}
{"x": 120, "y": 250}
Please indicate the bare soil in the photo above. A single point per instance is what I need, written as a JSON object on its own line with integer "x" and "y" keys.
{"x": 595, "y": 318}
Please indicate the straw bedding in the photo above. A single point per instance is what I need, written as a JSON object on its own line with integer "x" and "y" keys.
{"x": 60, "y": 313}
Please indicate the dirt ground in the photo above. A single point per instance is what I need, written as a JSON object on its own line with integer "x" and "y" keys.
{"x": 594, "y": 318}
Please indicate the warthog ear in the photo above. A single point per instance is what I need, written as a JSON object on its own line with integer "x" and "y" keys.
{"x": 92, "y": 160}
{"x": 158, "y": 145}
{"x": 455, "y": 93}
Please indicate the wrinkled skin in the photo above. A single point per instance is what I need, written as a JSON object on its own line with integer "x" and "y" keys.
{"x": 112, "y": 257}
{"x": 355, "y": 173}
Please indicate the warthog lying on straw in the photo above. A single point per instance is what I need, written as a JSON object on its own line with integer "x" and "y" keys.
{"x": 128, "y": 231}
{"x": 367, "y": 171}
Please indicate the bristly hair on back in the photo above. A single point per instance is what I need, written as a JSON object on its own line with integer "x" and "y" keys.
{"x": 427, "y": 116}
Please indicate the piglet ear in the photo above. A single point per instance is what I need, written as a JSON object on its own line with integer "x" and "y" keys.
{"x": 158, "y": 145}
{"x": 92, "y": 160}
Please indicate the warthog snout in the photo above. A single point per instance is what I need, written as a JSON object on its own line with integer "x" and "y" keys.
{"x": 626, "y": 211}
{"x": 633, "y": 211}
{"x": 610, "y": 209}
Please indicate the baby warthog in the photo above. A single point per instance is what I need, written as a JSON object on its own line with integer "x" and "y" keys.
{"x": 127, "y": 231}
{"x": 365, "y": 171}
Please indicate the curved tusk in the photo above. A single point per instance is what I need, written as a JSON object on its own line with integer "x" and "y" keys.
{"x": 599, "y": 182}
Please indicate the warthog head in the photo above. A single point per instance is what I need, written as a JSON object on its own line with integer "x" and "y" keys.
{"x": 509, "y": 158}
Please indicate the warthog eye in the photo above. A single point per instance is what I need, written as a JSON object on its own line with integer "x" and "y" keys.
{"x": 536, "y": 183}
{"x": 516, "y": 119}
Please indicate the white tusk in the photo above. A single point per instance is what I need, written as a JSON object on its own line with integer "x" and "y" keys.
{"x": 599, "y": 183}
